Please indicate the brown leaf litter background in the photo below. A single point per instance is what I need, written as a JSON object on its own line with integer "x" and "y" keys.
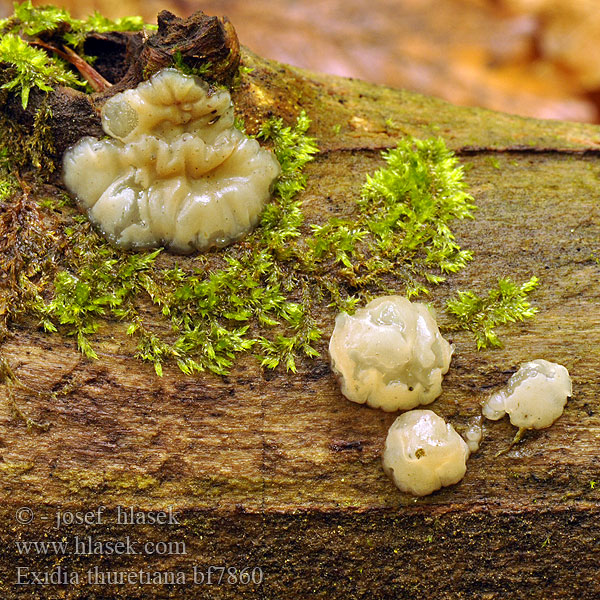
{"x": 536, "y": 58}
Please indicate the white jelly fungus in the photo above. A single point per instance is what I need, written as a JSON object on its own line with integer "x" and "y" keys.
{"x": 176, "y": 171}
{"x": 390, "y": 354}
{"x": 473, "y": 434}
{"x": 423, "y": 453}
{"x": 534, "y": 397}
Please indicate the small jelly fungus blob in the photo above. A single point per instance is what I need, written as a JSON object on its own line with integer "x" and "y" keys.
{"x": 390, "y": 354}
{"x": 534, "y": 397}
{"x": 424, "y": 453}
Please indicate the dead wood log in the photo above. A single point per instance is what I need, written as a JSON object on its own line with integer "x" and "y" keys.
{"x": 279, "y": 471}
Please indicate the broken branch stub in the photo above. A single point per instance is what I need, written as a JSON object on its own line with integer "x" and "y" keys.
{"x": 199, "y": 42}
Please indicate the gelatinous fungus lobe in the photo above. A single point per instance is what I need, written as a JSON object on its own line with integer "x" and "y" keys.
{"x": 390, "y": 354}
{"x": 424, "y": 453}
{"x": 175, "y": 171}
{"x": 534, "y": 397}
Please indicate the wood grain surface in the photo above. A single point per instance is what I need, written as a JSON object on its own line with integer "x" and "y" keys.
{"x": 278, "y": 470}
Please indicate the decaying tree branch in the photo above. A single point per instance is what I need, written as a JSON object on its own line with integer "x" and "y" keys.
{"x": 277, "y": 470}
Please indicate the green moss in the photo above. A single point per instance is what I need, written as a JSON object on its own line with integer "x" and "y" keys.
{"x": 179, "y": 63}
{"x": 27, "y": 66}
{"x": 398, "y": 239}
{"x": 494, "y": 162}
{"x": 32, "y": 20}
{"x": 23, "y": 148}
{"x": 107, "y": 284}
{"x": 31, "y": 67}
{"x": 8, "y": 182}
{"x": 282, "y": 219}
{"x": 208, "y": 314}
{"x": 505, "y": 303}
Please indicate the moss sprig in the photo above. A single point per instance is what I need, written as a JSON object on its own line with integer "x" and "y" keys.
{"x": 106, "y": 286}
{"x": 31, "y": 67}
{"x": 418, "y": 194}
{"x": 28, "y": 20}
{"x": 399, "y": 237}
{"x": 198, "y": 71}
{"x": 505, "y": 303}
{"x": 32, "y": 20}
{"x": 282, "y": 219}
{"x": 24, "y": 148}
{"x": 8, "y": 182}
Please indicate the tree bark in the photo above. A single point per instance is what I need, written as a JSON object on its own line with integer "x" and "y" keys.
{"x": 279, "y": 471}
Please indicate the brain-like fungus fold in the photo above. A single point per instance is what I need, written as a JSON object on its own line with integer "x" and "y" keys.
{"x": 176, "y": 171}
{"x": 390, "y": 354}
